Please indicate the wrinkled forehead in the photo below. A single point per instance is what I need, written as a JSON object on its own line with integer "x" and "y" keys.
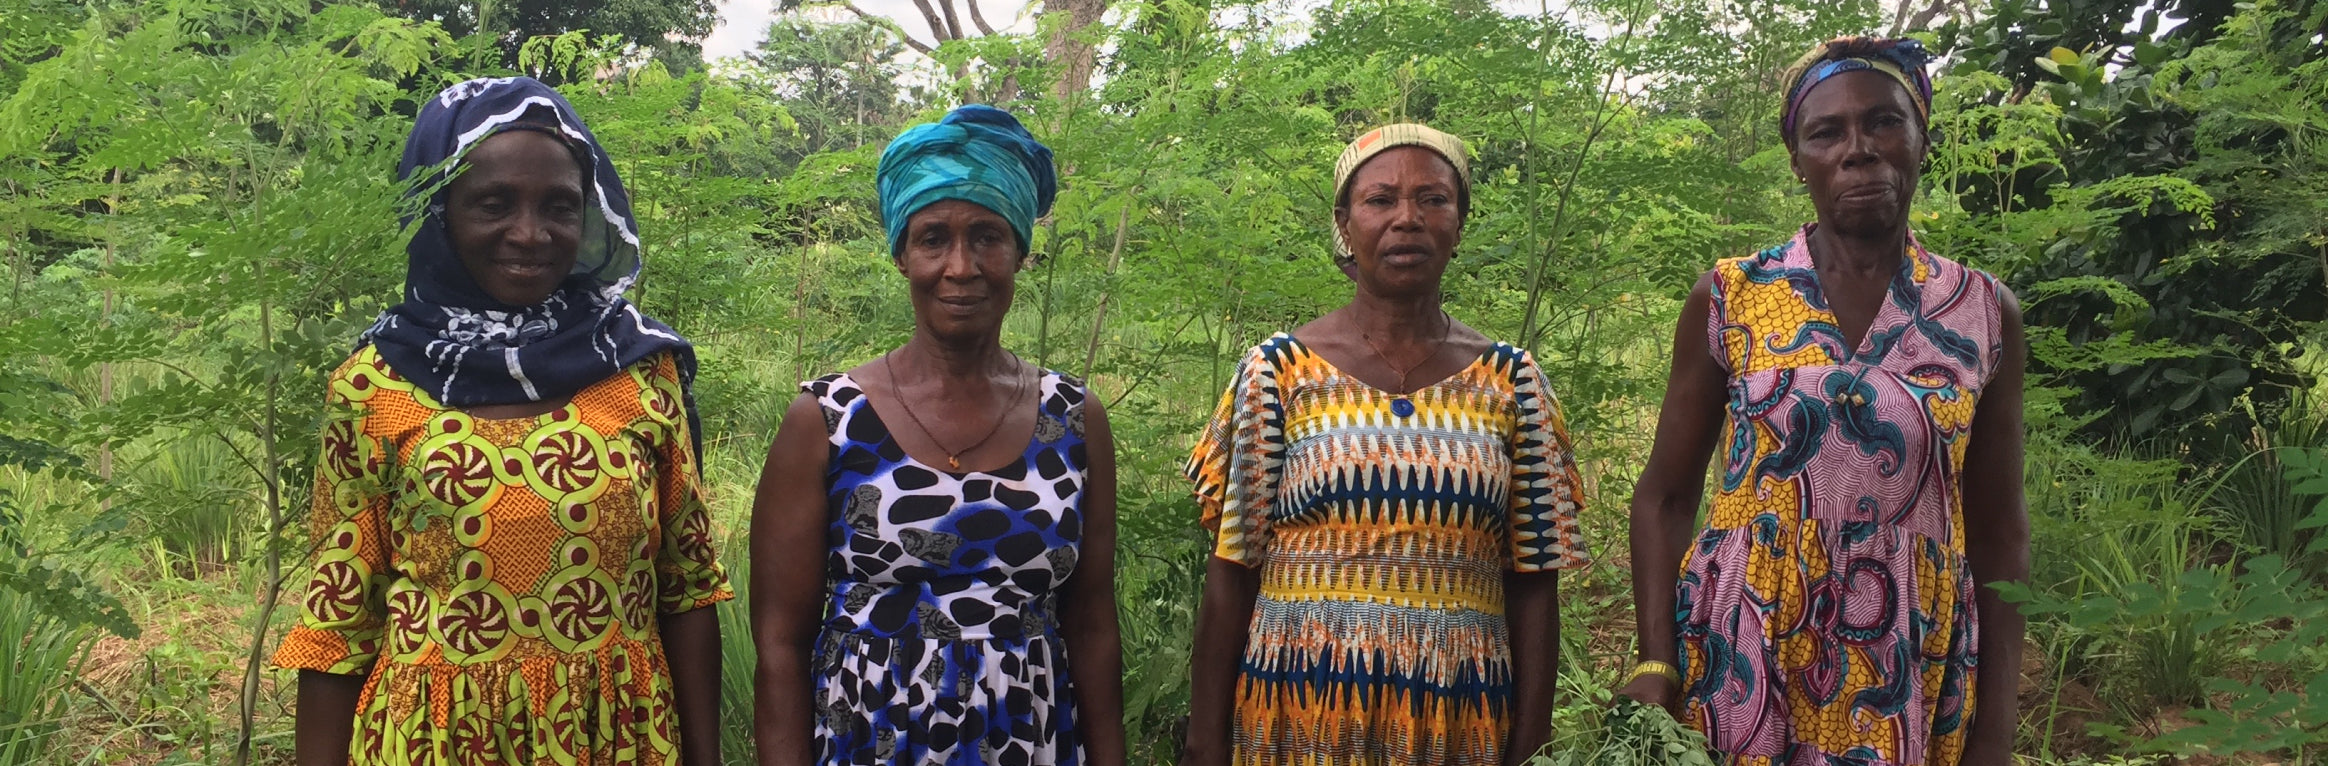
{"x": 1388, "y": 167}
{"x": 1850, "y": 95}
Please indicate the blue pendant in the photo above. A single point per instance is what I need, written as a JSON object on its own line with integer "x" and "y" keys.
{"x": 1401, "y": 407}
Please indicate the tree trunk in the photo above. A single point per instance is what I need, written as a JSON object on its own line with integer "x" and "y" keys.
{"x": 1075, "y": 56}
{"x": 105, "y": 369}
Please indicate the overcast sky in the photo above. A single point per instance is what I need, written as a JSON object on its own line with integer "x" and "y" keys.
{"x": 743, "y": 22}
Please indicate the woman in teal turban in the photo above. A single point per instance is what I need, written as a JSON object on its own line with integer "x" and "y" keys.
{"x": 959, "y": 607}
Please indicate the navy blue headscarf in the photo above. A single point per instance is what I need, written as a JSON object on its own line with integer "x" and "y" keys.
{"x": 467, "y": 349}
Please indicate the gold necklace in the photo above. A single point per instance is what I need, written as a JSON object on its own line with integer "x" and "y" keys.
{"x": 953, "y": 456}
{"x": 1399, "y": 403}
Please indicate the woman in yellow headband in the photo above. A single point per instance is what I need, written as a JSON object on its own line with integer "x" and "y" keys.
{"x": 1393, "y": 498}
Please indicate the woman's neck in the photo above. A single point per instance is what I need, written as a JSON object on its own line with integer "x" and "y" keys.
{"x": 1876, "y": 254}
{"x": 979, "y": 359}
{"x": 1399, "y": 320}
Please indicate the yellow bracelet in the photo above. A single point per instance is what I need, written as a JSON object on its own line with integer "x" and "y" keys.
{"x": 1653, "y": 667}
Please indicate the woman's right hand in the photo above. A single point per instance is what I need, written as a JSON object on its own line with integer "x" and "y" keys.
{"x": 1667, "y": 496}
{"x": 1654, "y": 689}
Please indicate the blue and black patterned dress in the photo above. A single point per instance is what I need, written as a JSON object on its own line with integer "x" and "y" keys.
{"x": 940, "y": 644}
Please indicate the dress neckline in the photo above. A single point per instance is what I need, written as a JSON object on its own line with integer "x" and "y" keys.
{"x": 1312, "y": 351}
{"x": 1042, "y": 394}
{"x": 1887, "y": 311}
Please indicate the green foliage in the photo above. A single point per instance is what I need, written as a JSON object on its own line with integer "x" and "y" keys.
{"x": 36, "y": 664}
{"x": 2257, "y": 715}
{"x": 2307, "y": 472}
{"x": 738, "y": 658}
{"x": 1603, "y": 730}
{"x": 840, "y": 81}
{"x": 2113, "y": 527}
{"x": 2182, "y": 171}
{"x": 669, "y": 27}
{"x": 197, "y": 197}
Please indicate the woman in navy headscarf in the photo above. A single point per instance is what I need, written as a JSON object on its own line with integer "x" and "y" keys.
{"x": 1861, "y": 396}
{"x": 960, "y": 606}
{"x": 513, "y": 549}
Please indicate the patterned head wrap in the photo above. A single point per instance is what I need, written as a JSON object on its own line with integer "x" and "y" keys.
{"x": 464, "y": 347}
{"x": 977, "y": 154}
{"x": 1900, "y": 58}
{"x": 1386, "y": 138}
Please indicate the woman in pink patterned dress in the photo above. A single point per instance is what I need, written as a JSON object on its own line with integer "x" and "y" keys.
{"x": 1865, "y": 397}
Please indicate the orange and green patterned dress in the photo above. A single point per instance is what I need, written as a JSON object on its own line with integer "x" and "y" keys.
{"x": 1383, "y": 527}
{"x": 499, "y": 580}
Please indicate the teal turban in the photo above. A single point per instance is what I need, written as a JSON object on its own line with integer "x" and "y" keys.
{"x": 978, "y": 154}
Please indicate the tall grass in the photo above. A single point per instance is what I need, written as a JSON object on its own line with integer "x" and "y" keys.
{"x": 731, "y": 465}
{"x": 195, "y": 500}
{"x": 38, "y": 657}
{"x": 2255, "y": 500}
{"x": 2109, "y": 527}
{"x": 737, "y": 658}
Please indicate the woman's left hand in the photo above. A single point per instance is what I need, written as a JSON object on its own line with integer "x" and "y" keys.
{"x": 1996, "y": 545}
{"x": 1088, "y": 623}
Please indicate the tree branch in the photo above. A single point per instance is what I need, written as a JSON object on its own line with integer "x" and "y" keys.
{"x": 1923, "y": 19}
{"x": 953, "y": 24}
{"x": 884, "y": 23}
{"x": 930, "y": 15}
{"x": 978, "y": 19}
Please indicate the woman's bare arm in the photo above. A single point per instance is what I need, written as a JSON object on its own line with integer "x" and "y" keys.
{"x": 1222, "y": 619}
{"x": 1532, "y": 612}
{"x": 1665, "y": 500}
{"x": 326, "y": 718}
{"x": 788, "y": 547}
{"x": 691, "y": 648}
{"x": 1094, "y": 638}
{"x": 1996, "y": 545}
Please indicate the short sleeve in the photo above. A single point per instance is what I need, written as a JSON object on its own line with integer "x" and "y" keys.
{"x": 1547, "y": 492}
{"x": 1992, "y": 324}
{"x": 1718, "y": 316}
{"x": 687, "y": 571}
{"x": 343, "y": 612}
{"x": 1238, "y": 460}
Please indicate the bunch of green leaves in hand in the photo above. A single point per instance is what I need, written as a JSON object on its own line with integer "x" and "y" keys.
{"x": 1627, "y": 733}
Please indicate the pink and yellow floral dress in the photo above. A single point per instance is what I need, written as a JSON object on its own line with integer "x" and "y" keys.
{"x": 1826, "y": 612}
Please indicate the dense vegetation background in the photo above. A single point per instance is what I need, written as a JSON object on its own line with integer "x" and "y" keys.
{"x": 197, "y": 206}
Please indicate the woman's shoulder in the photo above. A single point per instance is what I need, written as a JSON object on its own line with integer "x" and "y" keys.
{"x": 1279, "y": 346}
{"x": 1767, "y": 260}
{"x": 1945, "y": 267}
{"x": 832, "y": 388}
{"x": 360, "y": 363}
{"x": 365, "y": 377}
{"x": 659, "y": 370}
{"x": 1272, "y": 357}
{"x": 1513, "y": 365}
{"x": 1063, "y": 395}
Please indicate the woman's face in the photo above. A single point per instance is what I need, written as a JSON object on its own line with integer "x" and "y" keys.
{"x": 514, "y": 214}
{"x": 1859, "y": 148}
{"x": 1402, "y": 221}
{"x": 960, "y": 262}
